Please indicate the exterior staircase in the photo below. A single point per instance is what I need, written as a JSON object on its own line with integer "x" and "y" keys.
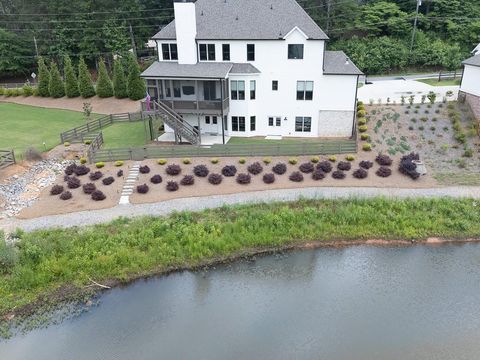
{"x": 182, "y": 129}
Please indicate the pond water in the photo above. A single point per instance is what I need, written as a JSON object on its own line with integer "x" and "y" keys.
{"x": 352, "y": 303}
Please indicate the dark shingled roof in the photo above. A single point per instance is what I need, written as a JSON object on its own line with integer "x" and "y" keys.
{"x": 474, "y": 61}
{"x": 201, "y": 70}
{"x": 244, "y": 69}
{"x": 248, "y": 20}
{"x": 335, "y": 64}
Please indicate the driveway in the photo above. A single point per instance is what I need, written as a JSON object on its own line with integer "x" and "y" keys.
{"x": 394, "y": 89}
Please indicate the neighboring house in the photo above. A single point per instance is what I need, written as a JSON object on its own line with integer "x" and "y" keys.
{"x": 252, "y": 68}
{"x": 470, "y": 85}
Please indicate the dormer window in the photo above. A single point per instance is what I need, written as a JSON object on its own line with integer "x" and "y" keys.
{"x": 295, "y": 51}
{"x": 207, "y": 52}
{"x": 169, "y": 52}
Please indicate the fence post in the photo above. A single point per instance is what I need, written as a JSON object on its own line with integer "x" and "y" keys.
{"x": 129, "y": 119}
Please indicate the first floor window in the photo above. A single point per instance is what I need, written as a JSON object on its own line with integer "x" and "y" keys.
{"x": 304, "y": 90}
{"x": 207, "y": 119}
{"x": 237, "y": 90}
{"x": 169, "y": 52}
{"x": 253, "y": 89}
{"x": 253, "y": 124}
{"x": 238, "y": 123}
{"x": 207, "y": 52}
{"x": 275, "y": 121}
{"x": 275, "y": 85}
{"x": 303, "y": 124}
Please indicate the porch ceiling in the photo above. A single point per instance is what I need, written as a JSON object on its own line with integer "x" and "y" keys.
{"x": 197, "y": 71}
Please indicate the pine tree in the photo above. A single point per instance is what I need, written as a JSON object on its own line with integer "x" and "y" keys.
{"x": 56, "y": 86}
{"x": 71, "y": 83}
{"x": 104, "y": 84}
{"x": 136, "y": 85}
{"x": 85, "y": 85}
{"x": 43, "y": 78}
{"x": 119, "y": 80}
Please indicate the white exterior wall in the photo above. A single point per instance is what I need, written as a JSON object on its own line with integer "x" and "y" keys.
{"x": 471, "y": 80}
{"x": 186, "y": 30}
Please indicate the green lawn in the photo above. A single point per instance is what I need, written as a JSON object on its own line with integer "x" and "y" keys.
{"x": 120, "y": 135}
{"x": 23, "y": 126}
{"x": 435, "y": 82}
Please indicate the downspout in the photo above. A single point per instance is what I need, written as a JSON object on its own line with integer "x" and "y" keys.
{"x": 222, "y": 120}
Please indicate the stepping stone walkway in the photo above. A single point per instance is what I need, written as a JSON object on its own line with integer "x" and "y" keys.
{"x": 127, "y": 190}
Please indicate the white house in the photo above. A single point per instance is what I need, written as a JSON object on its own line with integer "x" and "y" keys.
{"x": 252, "y": 68}
{"x": 470, "y": 85}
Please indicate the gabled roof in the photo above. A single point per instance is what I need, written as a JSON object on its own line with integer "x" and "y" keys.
{"x": 474, "y": 61}
{"x": 336, "y": 63}
{"x": 248, "y": 20}
{"x": 201, "y": 70}
{"x": 245, "y": 68}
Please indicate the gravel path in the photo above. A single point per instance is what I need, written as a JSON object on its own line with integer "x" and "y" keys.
{"x": 209, "y": 202}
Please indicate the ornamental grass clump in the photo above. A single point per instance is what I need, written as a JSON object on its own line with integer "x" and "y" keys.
{"x": 156, "y": 179}
{"x": 269, "y": 178}
{"x": 172, "y": 186}
{"x": 360, "y": 173}
{"x": 280, "y": 169}
{"x": 56, "y": 190}
{"x": 187, "y": 180}
{"x": 255, "y": 168}
{"x": 293, "y": 161}
{"x": 318, "y": 175}
{"x": 187, "y": 161}
{"x": 339, "y": 175}
{"x": 108, "y": 181}
{"x": 67, "y": 195}
{"x": 81, "y": 170}
{"x": 315, "y": 159}
{"x": 344, "y": 166}
{"x": 267, "y": 160}
{"x": 173, "y": 170}
{"x": 73, "y": 183}
{"x": 144, "y": 169}
{"x": 408, "y": 167}
{"x": 229, "y": 171}
{"x": 97, "y": 195}
{"x": 307, "y": 168}
{"x": 325, "y": 166}
{"x": 384, "y": 160}
{"x": 365, "y": 164}
{"x": 244, "y": 179}
{"x": 143, "y": 189}
{"x": 215, "y": 179}
{"x": 296, "y": 176}
{"x": 384, "y": 172}
{"x": 201, "y": 171}
{"x": 96, "y": 175}
{"x": 89, "y": 188}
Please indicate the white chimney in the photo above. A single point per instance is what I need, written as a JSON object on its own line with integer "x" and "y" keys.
{"x": 186, "y": 29}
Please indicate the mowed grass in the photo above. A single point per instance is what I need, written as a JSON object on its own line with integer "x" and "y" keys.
{"x": 43, "y": 261}
{"x": 24, "y": 126}
{"x": 435, "y": 82}
{"x": 121, "y": 135}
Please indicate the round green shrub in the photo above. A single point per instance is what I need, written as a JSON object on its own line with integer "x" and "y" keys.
{"x": 187, "y": 161}
{"x": 119, "y": 163}
{"x": 99, "y": 165}
{"x": 363, "y": 128}
{"x": 214, "y": 160}
{"x": 332, "y": 158}
{"x": 361, "y": 113}
{"x": 362, "y": 121}
{"x": 350, "y": 157}
{"x": 293, "y": 161}
{"x": 267, "y": 160}
{"x": 364, "y": 137}
{"x": 315, "y": 159}
{"x": 83, "y": 160}
{"x": 66, "y": 144}
{"x": 367, "y": 147}
{"x": 242, "y": 161}
{"x": 161, "y": 161}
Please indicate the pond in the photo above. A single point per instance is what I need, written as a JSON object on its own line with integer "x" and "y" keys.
{"x": 350, "y": 303}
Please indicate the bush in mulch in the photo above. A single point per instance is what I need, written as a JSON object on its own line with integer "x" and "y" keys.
{"x": 384, "y": 172}
{"x": 229, "y": 171}
{"x": 108, "y": 181}
{"x": 360, "y": 173}
{"x": 81, "y": 170}
{"x": 173, "y": 169}
{"x": 187, "y": 180}
{"x": 119, "y": 173}
{"x": 244, "y": 179}
{"x": 296, "y": 176}
{"x": 339, "y": 175}
{"x": 56, "y": 190}
{"x": 97, "y": 195}
{"x": 89, "y": 188}
{"x": 408, "y": 167}
{"x": 255, "y": 168}
{"x": 318, "y": 174}
{"x": 96, "y": 175}
{"x": 344, "y": 166}
{"x": 144, "y": 169}
{"x": 143, "y": 189}
{"x": 73, "y": 183}
{"x": 269, "y": 178}
{"x": 325, "y": 166}
{"x": 156, "y": 179}
{"x": 201, "y": 171}
{"x": 280, "y": 169}
{"x": 172, "y": 186}
{"x": 67, "y": 195}
{"x": 365, "y": 164}
{"x": 215, "y": 179}
{"x": 307, "y": 168}
{"x": 384, "y": 160}
{"x": 70, "y": 169}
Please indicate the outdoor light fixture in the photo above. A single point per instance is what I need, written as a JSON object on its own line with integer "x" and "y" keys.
{"x": 285, "y": 119}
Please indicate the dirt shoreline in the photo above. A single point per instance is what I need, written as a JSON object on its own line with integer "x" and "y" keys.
{"x": 69, "y": 294}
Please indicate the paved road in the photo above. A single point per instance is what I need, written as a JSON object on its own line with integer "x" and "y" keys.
{"x": 209, "y": 202}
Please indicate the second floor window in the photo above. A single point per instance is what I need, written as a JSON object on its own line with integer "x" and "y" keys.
{"x": 169, "y": 52}
{"x": 207, "y": 52}
{"x": 250, "y": 52}
{"x": 226, "y": 52}
{"x": 295, "y": 51}
{"x": 275, "y": 85}
{"x": 253, "y": 89}
{"x": 304, "y": 90}
{"x": 237, "y": 89}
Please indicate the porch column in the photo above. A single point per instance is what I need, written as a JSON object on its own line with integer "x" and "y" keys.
{"x": 199, "y": 129}
{"x": 221, "y": 107}
{"x": 197, "y": 95}
{"x": 171, "y": 93}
